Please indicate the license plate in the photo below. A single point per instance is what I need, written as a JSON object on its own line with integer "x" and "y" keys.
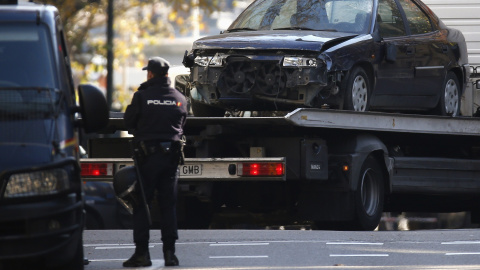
{"x": 191, "y": 169}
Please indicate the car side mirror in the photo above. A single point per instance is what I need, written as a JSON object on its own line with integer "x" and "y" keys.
{"x": 93, "y": 108}
{"x": 390, "y": 52}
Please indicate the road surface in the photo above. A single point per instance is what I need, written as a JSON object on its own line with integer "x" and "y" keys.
{"x": 295, "y": 249}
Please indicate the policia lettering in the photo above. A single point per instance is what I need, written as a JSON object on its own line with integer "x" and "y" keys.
{"x": 163, "y": 102}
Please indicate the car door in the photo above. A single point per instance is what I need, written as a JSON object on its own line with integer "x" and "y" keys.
{"x": 395, "y": 70}
{"x": 431, "y": 55}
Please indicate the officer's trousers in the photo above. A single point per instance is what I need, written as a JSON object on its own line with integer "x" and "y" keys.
{"x": 159, "y": 172}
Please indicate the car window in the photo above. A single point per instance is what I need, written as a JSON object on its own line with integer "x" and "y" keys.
{"x": 352, "y": 16}
{"x": 389, "y": 19}
{"x": 418, "y": 21}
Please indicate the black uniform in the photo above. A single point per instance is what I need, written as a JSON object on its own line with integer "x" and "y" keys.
{"x": 156, "y": 118}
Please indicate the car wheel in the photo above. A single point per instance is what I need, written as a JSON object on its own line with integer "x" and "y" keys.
{"x": 369, "y": 196}
{"x": 449, "y": 103}
{"x": 200, "y": 109}
{"x": 357, "y": 91}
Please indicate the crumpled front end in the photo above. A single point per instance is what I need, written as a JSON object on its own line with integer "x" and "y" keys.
{"x": 261, "y": 81}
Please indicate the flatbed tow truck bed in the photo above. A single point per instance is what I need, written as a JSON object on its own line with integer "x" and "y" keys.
{"x": 322, "y": 165}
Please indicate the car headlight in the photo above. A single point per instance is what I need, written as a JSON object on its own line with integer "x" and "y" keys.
{"x": 215, "y": 61}
{"x": 202, "y": 60}
{"x": 37, "y": 183}
{"x": 297, "y": 61}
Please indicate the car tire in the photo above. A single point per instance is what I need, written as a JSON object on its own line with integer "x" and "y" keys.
{"x": 449, "y": 104}
{"x": 357, "y": 91}
{"x": 369, "y": 196}
{"x": 200, "y": 109}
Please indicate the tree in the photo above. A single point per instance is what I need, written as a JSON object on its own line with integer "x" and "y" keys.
{"x": 137, "y": 23}
{"x": 137, "y": 18}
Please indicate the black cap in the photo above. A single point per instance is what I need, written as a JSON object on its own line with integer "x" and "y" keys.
{"x": 157, "y": 65}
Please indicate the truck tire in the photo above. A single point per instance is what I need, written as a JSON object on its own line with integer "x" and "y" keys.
{"x": 357, "y": 91}
{"x": 200, "y": 109}
{"x": 450, "y": 97}
{"x": 369, "y": 196}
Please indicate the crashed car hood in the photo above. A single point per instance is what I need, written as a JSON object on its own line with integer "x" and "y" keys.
{"x": 279, "y": 40}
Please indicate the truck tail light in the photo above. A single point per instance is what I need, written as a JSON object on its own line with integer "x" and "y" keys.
{"x": 261, "y": 169}
{"x": 97, "y": 169}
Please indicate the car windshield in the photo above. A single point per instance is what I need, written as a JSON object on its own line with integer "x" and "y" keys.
{"x": 351, "y": 16}
{"x": 28, "y": 86}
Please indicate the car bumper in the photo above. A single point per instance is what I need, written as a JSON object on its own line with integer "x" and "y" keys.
{"x": 45, "y": 228}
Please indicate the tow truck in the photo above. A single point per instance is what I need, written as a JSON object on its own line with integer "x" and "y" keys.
{"x": 318, "y": 166}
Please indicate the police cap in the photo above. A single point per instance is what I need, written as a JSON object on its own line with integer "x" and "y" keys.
{"x": 157, "y": 65}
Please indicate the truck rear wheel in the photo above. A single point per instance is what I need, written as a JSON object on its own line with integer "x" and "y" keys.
{"x": 369, "y": 196}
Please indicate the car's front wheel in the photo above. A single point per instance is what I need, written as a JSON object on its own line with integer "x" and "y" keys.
{"x": 449, "y": 103}
{"x": 357, "y": 91}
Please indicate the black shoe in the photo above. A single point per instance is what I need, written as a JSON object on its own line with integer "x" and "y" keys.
{"x": 170, "y": 258}
{"x": 138, "y": 260}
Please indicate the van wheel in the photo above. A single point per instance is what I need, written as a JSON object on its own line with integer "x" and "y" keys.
{"x": 369, "y": 196}
{"x": 77, "y": 262}
{"x": 449, "y": 103}
{"x": 357, "y": 91}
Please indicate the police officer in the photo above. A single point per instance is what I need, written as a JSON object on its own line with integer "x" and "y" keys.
{"x": 156, "y": 117}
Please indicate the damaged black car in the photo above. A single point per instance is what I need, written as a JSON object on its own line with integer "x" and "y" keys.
{"x": 360, "y": 55}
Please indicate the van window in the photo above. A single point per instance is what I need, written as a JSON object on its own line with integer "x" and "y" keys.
{"x": 28, "y": 84}
{"x": 26, "y": 57}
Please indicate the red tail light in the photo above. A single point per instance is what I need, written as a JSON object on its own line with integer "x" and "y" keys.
{"x": 261, "y": 169}
{"x": 97, "y": 169}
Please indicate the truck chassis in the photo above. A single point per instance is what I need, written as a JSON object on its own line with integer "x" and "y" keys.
{"x": 319, "y": 166}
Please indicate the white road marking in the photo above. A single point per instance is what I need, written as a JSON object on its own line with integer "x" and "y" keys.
{"x": 359, "y": 255}
{"x": 105, "y": 245}
{"x": 354, "y": 243}
{"x": 107, "y": 260}
{"x": 155, "y": 263}
{"x": 462, "y": 253}
{"x": 461, "y": 243}
{"x": 239, "y": 244}
{"x": 119, "y": 247}
{"x": 238, "y": 257}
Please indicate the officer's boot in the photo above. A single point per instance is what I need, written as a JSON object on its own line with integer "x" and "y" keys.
{"x": 140, "y": 258}
{"x": 169, "y": 254}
